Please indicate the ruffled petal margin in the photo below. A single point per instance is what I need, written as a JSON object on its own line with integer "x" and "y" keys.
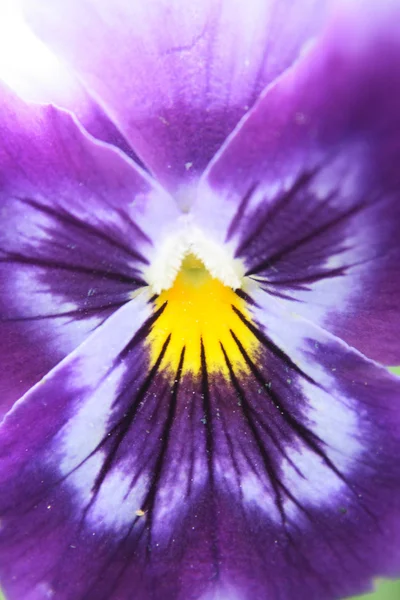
{"x": 177, "y": 79}
{"x": 78, "y": 222}
{"x": 280, "y": 482}
{"x": 307, "y": 190}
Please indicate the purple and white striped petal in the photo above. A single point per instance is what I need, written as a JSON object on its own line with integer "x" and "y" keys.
{"x": 280, "y": 483}
{"x": 77, "y": 224}
{"x": 307, "y": 191}
{"x": 177, "y": 78}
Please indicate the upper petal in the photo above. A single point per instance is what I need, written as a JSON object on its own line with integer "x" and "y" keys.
{"x": 308, "y": 188}
{"x": 78, "y": 222}
{"x": 177, "y": 78}
{"x": 35, "y": 73}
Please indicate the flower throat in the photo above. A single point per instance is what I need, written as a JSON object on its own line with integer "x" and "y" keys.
{"x": 204, "y": 317}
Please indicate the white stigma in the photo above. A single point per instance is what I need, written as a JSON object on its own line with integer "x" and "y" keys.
{"x": 189, "y": 239}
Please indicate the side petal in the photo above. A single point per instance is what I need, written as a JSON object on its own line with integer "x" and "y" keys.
{"x": 176, "y": 80}
{"x": 280, "y": 482}
{"x": 77, "y": 224}
{"x": 308, "y": 189}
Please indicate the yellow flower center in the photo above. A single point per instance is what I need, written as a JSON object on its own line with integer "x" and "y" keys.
{"x": 199, "y": 311}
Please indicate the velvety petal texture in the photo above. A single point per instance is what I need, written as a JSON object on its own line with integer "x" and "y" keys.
{"x": 281, "y": 483}
{"x": 177, "y": 77}
{"x": 308, "y": 188}
{"x": 77, "y": 223}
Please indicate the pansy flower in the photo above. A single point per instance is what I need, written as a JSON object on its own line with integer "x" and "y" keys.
{"x": 194, "y": 322}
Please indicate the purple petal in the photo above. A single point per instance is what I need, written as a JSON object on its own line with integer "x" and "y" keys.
{"x": 283, "y": 482}
{"x": 78, "y": 220}
{"x": 176, "y": 80}
{"x": 308, "y": 189}
{"x": 96, "y": 122}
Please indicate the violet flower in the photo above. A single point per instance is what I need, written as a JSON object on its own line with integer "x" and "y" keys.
{"x": 188, "y": 339}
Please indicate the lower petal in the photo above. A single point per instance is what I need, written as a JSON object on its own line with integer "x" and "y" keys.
{"x": 278, "y": 478}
